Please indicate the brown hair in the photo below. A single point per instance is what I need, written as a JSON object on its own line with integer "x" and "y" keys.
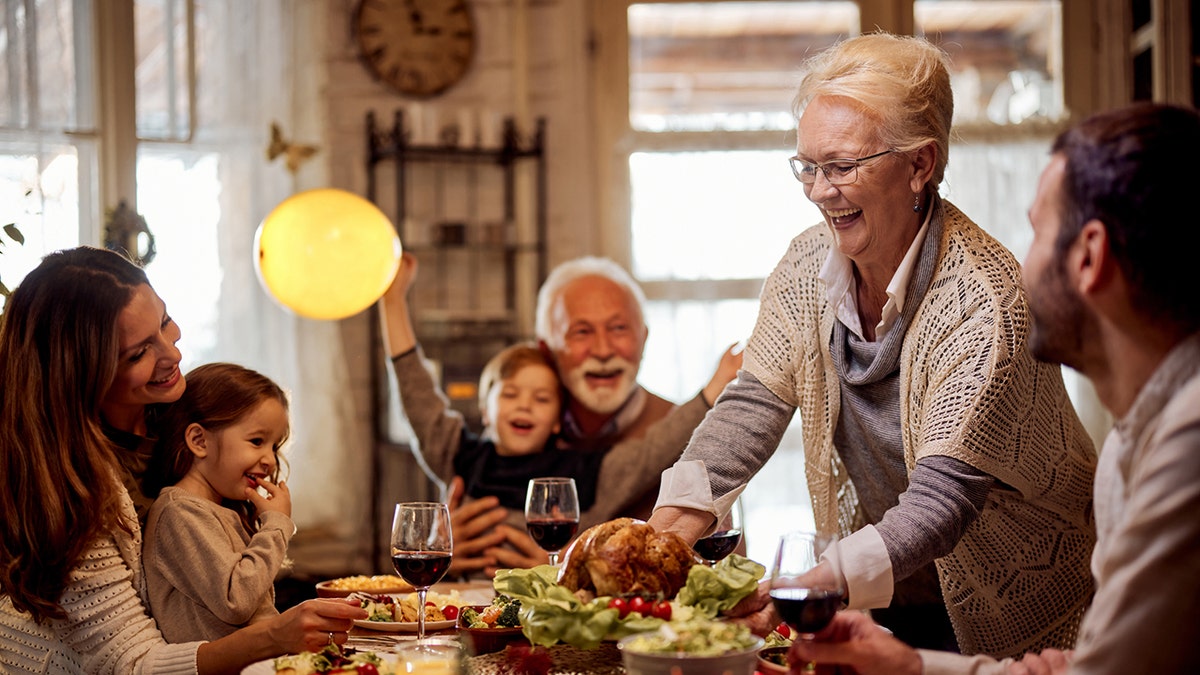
{"x": 507, "y": 362}
{"x": 1123, "y": 169}
{"x": 58, "y": 357}
{"x": 217, "y": 396}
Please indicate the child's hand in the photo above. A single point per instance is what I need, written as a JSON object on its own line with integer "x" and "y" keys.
{"x": 279, "y": 498}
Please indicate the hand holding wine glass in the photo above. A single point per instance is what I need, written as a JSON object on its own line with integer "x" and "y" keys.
{"x": 421, "y": 548}
{"x": 806, "y": 589}
{"x": 716, "y": 546}
{"x": 552, "y": 513}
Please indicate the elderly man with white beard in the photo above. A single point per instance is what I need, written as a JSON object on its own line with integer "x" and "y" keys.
{"x": 590, "y": 321}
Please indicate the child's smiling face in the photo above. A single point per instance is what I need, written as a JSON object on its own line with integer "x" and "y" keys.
{"x": 238, "y": 456}
{"x": 523, "y": 410}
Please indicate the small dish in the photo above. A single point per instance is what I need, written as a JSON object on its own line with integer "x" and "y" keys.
{"x": 665, "y": 663}
{"x": 487, "y": 640}
{"x": 772, "y": 660}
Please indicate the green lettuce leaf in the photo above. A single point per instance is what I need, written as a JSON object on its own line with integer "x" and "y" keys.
{"x": 551, "y": 613}
{"x": 713, "y": 590}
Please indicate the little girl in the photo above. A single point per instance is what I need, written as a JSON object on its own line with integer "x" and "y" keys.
{"x": 214, "y": 544}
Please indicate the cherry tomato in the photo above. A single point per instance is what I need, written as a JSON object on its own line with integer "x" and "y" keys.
{"x": 429, "y": 603}
{"x": 620, "y": 605}
{"x": 450, "y": 612}
{"x": 783, "y": 630}
{"x": 661, "y": 610}
{"x": 638, "y": 604}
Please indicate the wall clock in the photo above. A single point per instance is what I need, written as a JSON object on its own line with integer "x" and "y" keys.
{"x": 418, "y": 47}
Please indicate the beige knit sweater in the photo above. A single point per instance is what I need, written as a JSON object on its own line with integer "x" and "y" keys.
{"x": 1018, "y": 580}
{"x": 107, "y": 629}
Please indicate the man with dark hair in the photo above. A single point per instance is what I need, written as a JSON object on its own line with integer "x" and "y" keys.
{"x": 1112, "y": 293}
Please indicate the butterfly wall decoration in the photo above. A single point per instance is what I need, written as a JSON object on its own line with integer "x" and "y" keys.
{"x": 294, "y": 154}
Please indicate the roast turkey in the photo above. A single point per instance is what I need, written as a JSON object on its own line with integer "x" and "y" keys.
{"x": 627, "y": 557}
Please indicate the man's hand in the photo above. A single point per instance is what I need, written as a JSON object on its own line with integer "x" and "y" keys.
{"x": 727, "y": 369}
{"x": 854, "y": 640}
{"x": 473, "y": 528}
{"x": 527, "y": 554}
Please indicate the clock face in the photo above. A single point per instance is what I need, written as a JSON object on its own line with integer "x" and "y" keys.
{"x": 419, "y": 47}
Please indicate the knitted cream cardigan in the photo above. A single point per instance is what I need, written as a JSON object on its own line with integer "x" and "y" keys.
{"x": 1018, "y": 580}
{"x": 108, "y": 629}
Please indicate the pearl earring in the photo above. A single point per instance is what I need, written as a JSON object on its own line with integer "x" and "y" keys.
{"x": 917, "y": 203}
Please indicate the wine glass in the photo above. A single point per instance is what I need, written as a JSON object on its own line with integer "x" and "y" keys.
{"x": 728, "y": 535}
{"x": 552, "y": 513}
{"x": 806, "y": 588}
{"x": 421, "y": 548}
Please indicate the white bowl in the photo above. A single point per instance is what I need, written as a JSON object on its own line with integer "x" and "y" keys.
{"x": 657, "y": 663}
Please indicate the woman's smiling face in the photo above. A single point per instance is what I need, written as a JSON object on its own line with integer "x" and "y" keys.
{"x": 147, "y": 363}
{"x": 872, "y": 218}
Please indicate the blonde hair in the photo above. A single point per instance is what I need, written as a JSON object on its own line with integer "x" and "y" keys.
{"x": 901, "y": 82}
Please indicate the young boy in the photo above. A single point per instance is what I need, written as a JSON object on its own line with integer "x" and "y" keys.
{"x": 521, "y": 401}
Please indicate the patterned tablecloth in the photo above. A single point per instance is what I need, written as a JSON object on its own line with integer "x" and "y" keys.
{"x": 567, "y": 660}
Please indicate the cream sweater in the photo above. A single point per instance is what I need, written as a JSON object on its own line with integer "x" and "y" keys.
{"x": 969, "y": 389}
{"x": 107, "y": 629}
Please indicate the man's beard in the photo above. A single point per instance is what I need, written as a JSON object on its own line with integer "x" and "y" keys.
{"x": 1059, "y": 320}
{"x": 603, "y": 400}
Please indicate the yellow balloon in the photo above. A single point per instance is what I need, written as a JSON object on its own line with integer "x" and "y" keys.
{"x": 326, "y": 253}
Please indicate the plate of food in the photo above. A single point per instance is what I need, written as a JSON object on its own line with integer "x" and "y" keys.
{"x": 403, "y": 626}
{"x": 398, "y": 613}
{"x": 619, "y": 578}
{"x": 330, "y": 660}
{"x": 378, "y": 583}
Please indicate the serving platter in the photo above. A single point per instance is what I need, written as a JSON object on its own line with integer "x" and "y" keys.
{"x": 267, "y": 666}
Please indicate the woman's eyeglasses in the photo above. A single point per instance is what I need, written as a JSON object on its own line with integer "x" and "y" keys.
{"x": 837, "y": 171}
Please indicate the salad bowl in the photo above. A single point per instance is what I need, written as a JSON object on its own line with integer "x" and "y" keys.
{"x": 646, "y": 654}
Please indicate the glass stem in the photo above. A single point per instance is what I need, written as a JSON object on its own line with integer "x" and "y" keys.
{"x": 553, "y": 558}
{"x": 421, "y": 613}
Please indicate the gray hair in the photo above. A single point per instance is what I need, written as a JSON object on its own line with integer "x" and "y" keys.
{"x": 564, "y": 274}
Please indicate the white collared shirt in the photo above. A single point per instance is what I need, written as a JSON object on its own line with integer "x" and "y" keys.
{"x": 838, "y": 275}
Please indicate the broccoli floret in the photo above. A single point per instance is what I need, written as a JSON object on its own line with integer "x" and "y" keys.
{"x": 469, "y": 617}
{"x": 509, "y": 617}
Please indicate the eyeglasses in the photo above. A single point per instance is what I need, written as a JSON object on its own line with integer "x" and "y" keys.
{"x": 837, "y": 171}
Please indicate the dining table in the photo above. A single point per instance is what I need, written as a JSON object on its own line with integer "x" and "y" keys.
{"x": 564, "y": 659}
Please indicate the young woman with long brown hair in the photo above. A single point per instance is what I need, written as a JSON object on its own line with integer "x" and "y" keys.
{"x": 87, "y": 352}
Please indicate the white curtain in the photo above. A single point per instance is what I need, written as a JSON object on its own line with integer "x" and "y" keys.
{"x": 256, "y": 65}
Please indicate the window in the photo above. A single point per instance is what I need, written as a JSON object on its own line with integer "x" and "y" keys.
{"x": 48, "y": 146}
{"x": 702, "y": 165}
{"x": 713, "y": 204}
{"x": 202, "y": 182}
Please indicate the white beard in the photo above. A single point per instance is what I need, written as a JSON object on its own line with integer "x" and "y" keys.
{"x": 604, "y": 400}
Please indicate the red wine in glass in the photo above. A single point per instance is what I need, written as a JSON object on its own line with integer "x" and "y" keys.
{"x": 552, "y": 513}
{"x": 717, "y": 545}
{"x": 422, "y": 546}
{"x": 806, "y": 610}
{"x": 807, "y": 587}
{"x": 552, "y": 535}
{"x": 421, "y": 568}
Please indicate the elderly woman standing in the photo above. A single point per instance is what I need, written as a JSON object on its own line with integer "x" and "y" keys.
{"x": 87, "y": 347}
{"x": 950, "y": 460}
